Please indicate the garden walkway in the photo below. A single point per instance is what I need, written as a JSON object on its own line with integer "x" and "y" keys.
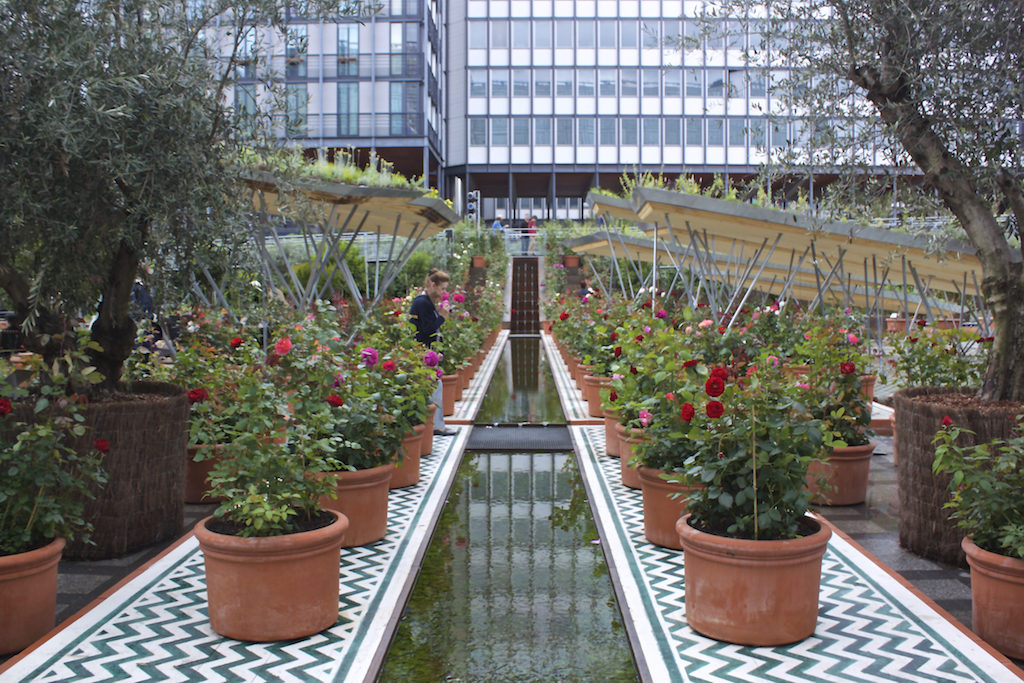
{"x": 872, "y": 625}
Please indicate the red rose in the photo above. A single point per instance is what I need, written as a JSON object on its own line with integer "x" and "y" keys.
{"x": 102, "y": 445}
{"x": 721, "y": 329}
{"x": 690, "y": 363}
{"x": 612, "y": 396}
{"x": 921, "y": 323}
{"x": 720, "y": 373}
{"x": 563, "y": 316}
{"x": 618, "y": 351}
{"x": 847, "y": 368}
{"x": 639, "y": 337}
{"x": 198, "y": 395}
{"x": 715, "y": 409}
{"x": 947, "y": 421}
{"x": 632, "y": 369}
{"x": 615, "y": 336}
{"x": 235, "y": 342}
{"x": 670, "y": 396}
{"x": 388, "y": 365}
{"x": 5, "y": 407}
{"x": 335, "y": 400}
{"x": 687, "y": 412}
{"x": 714, "y": 386}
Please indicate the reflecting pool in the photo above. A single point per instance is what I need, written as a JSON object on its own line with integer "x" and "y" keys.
{"x": 522, "y": 389}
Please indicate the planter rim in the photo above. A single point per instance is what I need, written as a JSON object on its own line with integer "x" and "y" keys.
{"x": 730, "y": 550}
{"x": 29, "y": 561}
{"x": 1008, "y": 568}
{"x": 270, "y": 548}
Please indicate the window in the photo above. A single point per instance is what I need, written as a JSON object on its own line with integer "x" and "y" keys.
{"x": 499, "y": 34}
{"x": 694, "y": 82}
{"x": 586, "y": 132}
{"x": 694, "y": 132}
{"x": 348, "y": 49}
{"x": 649, "y": 34}
{"x": 758, "y": 87}
{"x": 629, "y": 132}
{"x": 757, "y": 133}
{"x": 542, "y": 132}
{"x": 716, "y": 83}
{"x": 650, "y": 129}
{"x": 671, "y": 33}
{"x": 629, "y": 77}
{"x": 672, "y": 86}
{"x": 716, "y": 132}
{"x": 478, "y": 132}
{"x": 478, "y": 35}
{"x": 245, "y": 100}
{"x": 628, "y": 34}
{"x": 692, "y": 38}
{"x": 779, "y": 134}
{"x": 521, "y": 34}
{"x": 563, "y": 33}
{"x": 716, "y": 36}
{"x": 737, "y": 132}
{"x": 520, "y": 131}
{"x": 542, "y": 83}
{"x": 478, "y": 83}
{"x": 405, "y": 108}
{"x": 651, "y": 82}
{"x": 499, "y": 132}
{"x": 563, "y": 83}
{"x": 499, "y": 84}
{"x": 296, "y": 44}
{"x": 607, "y": 131}
{"x": 735, "y": 34}
{"x": 606, "y": 33}
{"x": 606, "y": 82}
{"x": 673, "y": 132}
{"x": 247, "y": 56}
{"x": 295, "y": 102}
{"x": 585, "y": 33}
{"x": 348, "y": 108}
{"x": 521, "y": 83}
{"x": 542, "y": 34}
{"x": 563, "y": 131}
{"x": 585, "y": 83}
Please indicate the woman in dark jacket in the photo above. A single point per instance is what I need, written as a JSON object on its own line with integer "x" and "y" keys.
{"x": 428, "y": 313}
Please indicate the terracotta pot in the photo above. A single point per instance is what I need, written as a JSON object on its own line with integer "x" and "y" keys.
{"x": 592, "y": 391}
{"x": 196, "y": 472}
{"x": 661, "y": 510}
{"x": 427, "y": 447}
{"x": 867, "y": 388}
{"x": 28, "y": 596}
{"x": 407, "y": 470}
{"x": 997, "y": 599}
{"x": 272, "y": 588}
{"x": 571, "y": 261}
{"x": 461, "y": 382}
{"x": 479, "y": 262}
{"x": 449, "y": 389}
{"x": 630, "y": 475}
{"x": 363, "y": 498}
{"x": 843, "y": 478}
{"x": 546, "y": 325}
{"x": 796, "y": 370}
{"x": 752, "y": 592}
{"x": 611, "y": 437}
{"x": 895, "y": 324}
{"x": 582, "y": 371}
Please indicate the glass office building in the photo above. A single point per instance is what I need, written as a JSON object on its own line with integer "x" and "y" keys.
{"x": 533, "y": 102}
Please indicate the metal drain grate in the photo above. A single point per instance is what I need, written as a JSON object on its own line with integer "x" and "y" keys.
{"x": 520, "y": 438}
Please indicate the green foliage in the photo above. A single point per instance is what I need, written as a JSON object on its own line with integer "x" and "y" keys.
{"x": 986, "y": 487}
{"x": 47, "y": 476}
{"x": 955, "y": 357}
{"x": 356, "y": 264}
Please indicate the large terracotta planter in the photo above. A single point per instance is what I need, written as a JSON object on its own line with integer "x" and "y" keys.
{"x": 627, "y": 440}
{"x": 867, "y": 388}
{"x": 546, "y": 325}
{"x": 363, "y": 498}
{"x": 661, "y": 510}
{"x": 407, "y": 470}
{"x": 843, "y": 478}
{"x": 427, "y": 446}
{"x": 997, "y": 599}
{"x": 272, "y": 588}
{"x": 611, "y": 437}
{"x": 592, "y": 392}
{"x": 28, "y": 596}
{"x": 449, "y": 389}
{"x": 582, "y": 370}
{"x": 752, "y": 592}
{"x": 196, "y": 473}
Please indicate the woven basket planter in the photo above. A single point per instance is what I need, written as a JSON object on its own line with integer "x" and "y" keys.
{"x": 925, "y": 527}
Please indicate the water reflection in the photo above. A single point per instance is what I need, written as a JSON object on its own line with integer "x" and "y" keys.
{"x": 522, "y": 390}
{"x": 513, "y": 588}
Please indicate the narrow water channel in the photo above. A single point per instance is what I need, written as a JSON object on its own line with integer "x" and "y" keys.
{"x": 514, "y": 585}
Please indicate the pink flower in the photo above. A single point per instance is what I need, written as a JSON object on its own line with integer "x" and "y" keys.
{"x": 445, "y": 296}
{"x": 439, "y": 373}
{"x": 337, "y": 379}
{"x": 774, "y": 360}
{"x": 645, "y": 417}
{"x": 661, "y": 313}
{"x": 458, "y": 297}
{"x": 431, "y": 359}
{"x": 689, "y": 329}
{"x": 803, "y": 385}
{"x": 102, "y": 445}
{"x": 670, "y": 396}
{"x": 647, "y": 329}
{"x": 283, "y": 346}
{"x": 369, "y": 356}
{"x": 852, "y": 338}
{"x": 704, "y": 324}
{"x": 300, "y": 327}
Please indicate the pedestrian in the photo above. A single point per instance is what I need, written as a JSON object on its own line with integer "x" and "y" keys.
{"x": 428, "y": 312}
{"x": 497, "y": 226}
{"x": 531, "y": 233}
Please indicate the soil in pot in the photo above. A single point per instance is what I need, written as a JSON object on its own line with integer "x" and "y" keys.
{"x": 273, "y": 588}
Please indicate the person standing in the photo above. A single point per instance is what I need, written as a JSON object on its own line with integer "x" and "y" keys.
{"x": 497, "y": 226}
{"x": 428, "y": 312}
{"x": 531, "y": 233}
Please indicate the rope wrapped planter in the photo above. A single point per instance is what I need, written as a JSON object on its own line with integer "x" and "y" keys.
{"x": 924, "y": 525}
{"x": 142, "y": 502}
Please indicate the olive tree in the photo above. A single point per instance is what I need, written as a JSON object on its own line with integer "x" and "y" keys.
{"x": 120, "y": 146}
{"x": 924, "y": 97}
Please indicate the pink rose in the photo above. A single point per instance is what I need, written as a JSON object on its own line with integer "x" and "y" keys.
{"x": 458, "y": 297}
{"x": 369, "y": 356}
{"x": 283, "y": 346}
